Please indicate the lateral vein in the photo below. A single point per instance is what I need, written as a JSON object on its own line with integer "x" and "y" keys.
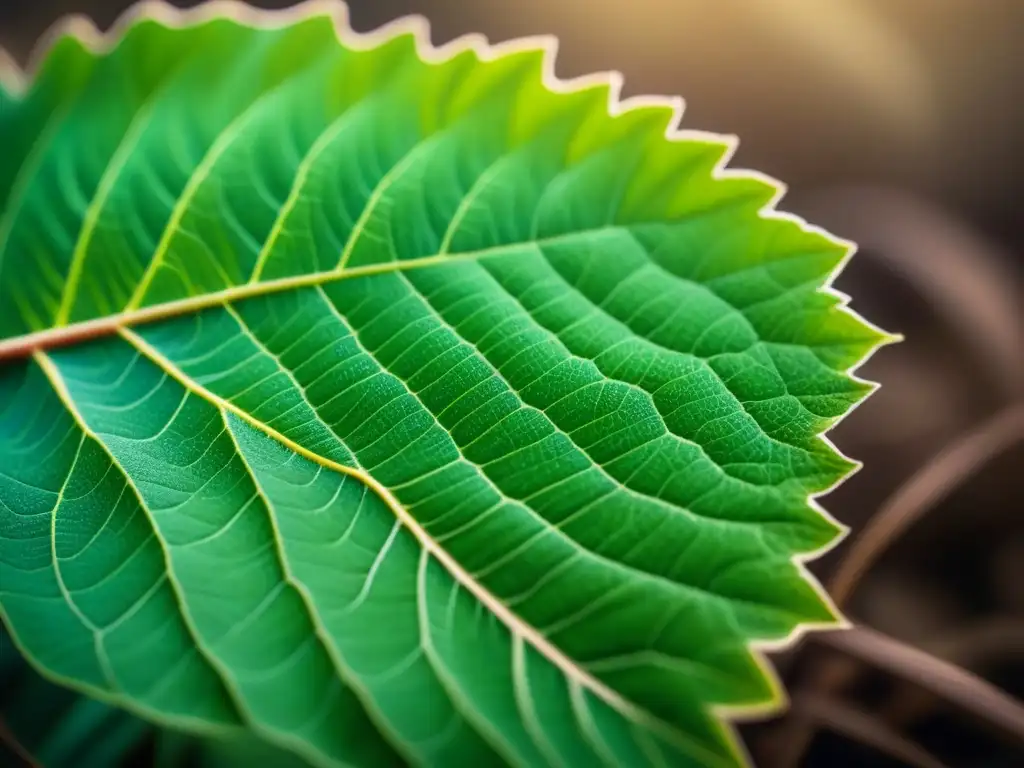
{"x": 577, "y": 677}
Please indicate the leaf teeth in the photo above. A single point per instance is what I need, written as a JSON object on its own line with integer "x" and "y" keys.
{"x": 504, "y": 395}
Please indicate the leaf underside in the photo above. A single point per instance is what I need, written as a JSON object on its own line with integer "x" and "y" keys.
{"x": 399, "y": 408}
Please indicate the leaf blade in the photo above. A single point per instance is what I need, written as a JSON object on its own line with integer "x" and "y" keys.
{"x": 571, "y": 415}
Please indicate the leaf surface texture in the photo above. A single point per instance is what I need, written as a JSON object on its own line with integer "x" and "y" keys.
{"x": 400, "y": 408}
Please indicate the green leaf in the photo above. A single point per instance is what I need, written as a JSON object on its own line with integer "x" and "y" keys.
{"x": 57, "y": 727}
{"x": 61, "y": 729}
{"x": 400, "y": 404}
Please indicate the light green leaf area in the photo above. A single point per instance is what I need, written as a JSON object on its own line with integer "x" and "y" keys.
{"x": 400, "y": 407}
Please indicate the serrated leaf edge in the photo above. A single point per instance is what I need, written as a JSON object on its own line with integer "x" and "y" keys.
{"x": 18, "y": 81}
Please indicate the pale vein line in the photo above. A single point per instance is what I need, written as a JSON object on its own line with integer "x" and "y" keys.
{"x": 97, "y": 636}
{"x": 110, "y": 516}
{"x": 56, "y": 380}
{"x": 491, "y": 735}
{"x": 483, "y": 181}
{"x": 404, "y": 665}
{"x": 662, "y": 504}
{"x": 117, "y": 164}
{"x": 345, "y": 672}
{"x": 26, "y": 173}
{"x": 224, "y": 141}
{"x": 317, "y": 719}
{"x": 241, "y": 626}
{"x": 301, "y": 391}
{"x": 371, "y": 574}
{"x": 386, "y": 182}
{"x": 21, "y": 345}
{"x": 649, "y": 395}
{"x": 614, "y": 485}
{"x": 734, "y": 311}
{"x": 649, "y": 657}
{"x": 24, "y": 344}
{"x": 18, "y": 438}
{"x": 512, "y": 622}
{"x": 227, "y": 677}
{"x": 525, "y": 704}
{"x": 578, "y": 701}
{"x": 649, "y": 747}
{"x": 281, "y": 668}
{"x": 135, "y": 607}
{"x": 295, "y": 194}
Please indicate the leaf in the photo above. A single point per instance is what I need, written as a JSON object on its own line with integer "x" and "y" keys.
{"x": 55, "y": 726}
{"x": 403, "y": 404}
{"x": 59, "y": 729}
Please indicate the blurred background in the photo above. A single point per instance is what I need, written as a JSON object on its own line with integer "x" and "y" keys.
{"x": 898, "y": 124}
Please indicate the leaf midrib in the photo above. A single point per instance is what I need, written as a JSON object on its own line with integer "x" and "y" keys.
{"x": 24, "y": 345}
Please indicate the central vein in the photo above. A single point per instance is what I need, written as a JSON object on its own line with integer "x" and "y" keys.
{"x": 24, "y": 346}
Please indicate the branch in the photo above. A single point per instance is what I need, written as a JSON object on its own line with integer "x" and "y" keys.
{"x": 862, "y": 727}
{"x": 925, "y": 488}
{"x": 948, "y": 681}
